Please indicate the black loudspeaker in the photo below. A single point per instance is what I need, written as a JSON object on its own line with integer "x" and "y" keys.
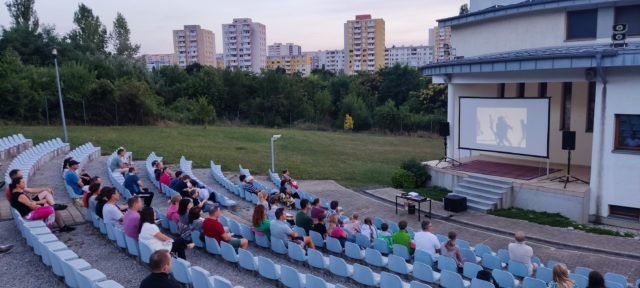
{"x": 455, "y": 203}
{"x": 568, "y": 140}
{"x": 444, "y": 129}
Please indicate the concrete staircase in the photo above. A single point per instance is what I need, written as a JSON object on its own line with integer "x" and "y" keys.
{"x": 484, "y": 193}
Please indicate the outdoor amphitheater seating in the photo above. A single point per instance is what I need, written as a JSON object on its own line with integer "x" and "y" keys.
{"x": 352, "y": 250}
{"x": 424, "y": 272}
{"x": 616, "y": 278}
{"x": 291, "y": 278}
{"x": 181, "y": 270}
{"x": 545, "y": 274}
{"x": 504, "y": 278}
{"x": 374, "y": 257}
{"x": 470, "y": 270}
{"x": 267, "y": 269}
{"x": 12, "y": 145}
{"x": 479, "y": 283}
{"x": 584, "y": 271}
{"x": 447, "y": 263}
{"x": 518, "y": 269}
{"x": 186, "y": 168}
{"x": 246, "y": 260}
{"x": 365, "y": 276}
{"x": 201, "y": 278}
{"x": 529, "y": 282}
{"x": 399, "y": 265}
{"x": 579, "y": 280}
{"x": 450, "y": 279}
{"x": 339, "y": 267}
{"x": 315, "y": 259}
{"x": 296, "y": 252}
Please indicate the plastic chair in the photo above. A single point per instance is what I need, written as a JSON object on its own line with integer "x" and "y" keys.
{"x": 481, "y": 249}
{"x": 299, "y": 230}
{"x": 316, "y": 238}
{"x": 503, "y": 254}
{"x": 132, "y": 246}
{"x": 145, "y": 252}
{"x": 402, "y": 251}
{"x": 616, "y": 278}
{"x": 463, "y": 244}
{"x": 246, "y": 260}
{"x": 316, "y": 259}
{"x": 447, "y": 263}
{"x": 120, "y": 238}
{"x": 450, "y": 279}
{"x": 296, "y": 252}
{"x": 479, "y": 283}
{"x": 518, "y": 269}
{"x": 424, "y": 272}
{"x": 393, "y": 227}
{"x": 491, "y": 262}
{"x": 291, "y": 278}
{"x": 584, "y": 271}
{"x": 181, "y": 270}
{"x": 268, "y": 269}
{"x": 468, "y": 256}
{"x": 339, "y": 267}
{"x": 88, "y": 278}
{"x": 201, "y": 278}
{"x": 529, "y": 282}
{"x": 504, "y": 278}
{"x": 108, "y": 284}
{"x": 545, "y": 274}
{"x": 442, "y": 238}
{"x": 173, "y": 227}
{"x": 399, "y": 265}
{"x": 416, "y": 284}
{"x": 262, "y": 241}
{"x": 195, "y": 238}
{"x": 374, "y": 257}
{"x": 611, "y": 284}
{"x": 277, "y": 245}
{"x": 316, "y": 282}
{"x": 333, "y": 245}
{"x": 246, "y": 233}
{"x": 220, "y": 282}
{"x": 352, "y": 250}
{"x": 391, "y": 280}
{"x": 381, "y": 246}
{"x": 377, "y": 221}
{"x": 365, "y": 276}
{"x": 470, "y": 270}
{"x": 363, "y": 240}
{"x": 422, "y": 256}
{"x": 228, "y": 252}
{"x": 69, "y": 269}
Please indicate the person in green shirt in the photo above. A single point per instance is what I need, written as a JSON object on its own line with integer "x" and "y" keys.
{"x": 403, "y": 237}
{"x": 260, "y": 222}
{"x": 302, "y": 218}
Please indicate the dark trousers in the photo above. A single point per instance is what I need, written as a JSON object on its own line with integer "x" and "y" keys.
{"x": 146, "y": 196}
{"x": 178, "y": 248}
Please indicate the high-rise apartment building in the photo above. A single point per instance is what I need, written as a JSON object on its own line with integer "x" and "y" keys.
{"x": 291, "y": 64}
{"x": 330, "y": 60}
{"x": 244, "y": 45}
{"x": 440, "y": 40}
{"x": 415, "y": 56}
{"x": 364, "y": 44}
{"x": 220, "y": 60}
{"x": 194, "y": 45}
{"x": 279, "y": 49}
{"x": 155, "y": 61}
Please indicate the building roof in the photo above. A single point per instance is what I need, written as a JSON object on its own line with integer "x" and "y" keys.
{"x": 565, "y": 57}
{"x": 527, "y": 6}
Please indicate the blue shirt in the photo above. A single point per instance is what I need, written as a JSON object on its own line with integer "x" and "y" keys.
{"x": 71, "y": 178}
{"x": 131, "y": 183}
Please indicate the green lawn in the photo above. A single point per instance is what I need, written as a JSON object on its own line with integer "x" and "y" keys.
{"x": 352, "y": 159}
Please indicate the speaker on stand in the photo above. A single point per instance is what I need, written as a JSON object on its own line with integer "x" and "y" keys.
{"x": 568, "y": 144}
{"x": 444, "y": 132}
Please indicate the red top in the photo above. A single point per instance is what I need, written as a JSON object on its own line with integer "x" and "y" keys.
{"x": 8, "y": 193}
{"x": 213, "y": 228}
{"x": 165, "y": 179}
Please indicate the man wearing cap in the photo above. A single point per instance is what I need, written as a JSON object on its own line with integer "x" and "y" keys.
{"x": 72, "y": 179}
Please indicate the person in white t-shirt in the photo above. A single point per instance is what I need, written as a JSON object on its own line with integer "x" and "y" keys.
{"x": 521, "y": 252}
{"x": 111, "y": 213}
{"x": 425, "y": 240}
{"x": 151, "y": 236}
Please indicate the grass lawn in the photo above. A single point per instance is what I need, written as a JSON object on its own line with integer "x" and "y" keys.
{"x": 352, "y": 159}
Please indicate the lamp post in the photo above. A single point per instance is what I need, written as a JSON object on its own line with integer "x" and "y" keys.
{"x": 273, "y": 152}
{"x": 64, "y": 123}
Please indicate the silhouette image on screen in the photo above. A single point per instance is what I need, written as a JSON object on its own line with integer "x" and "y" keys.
{"x": 504, "y": 127}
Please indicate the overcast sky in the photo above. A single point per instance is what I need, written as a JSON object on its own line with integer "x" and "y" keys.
{"x": 313, "y": 24}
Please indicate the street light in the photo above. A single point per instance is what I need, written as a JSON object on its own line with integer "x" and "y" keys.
{"x": 64, "y": 123}
{"x": 273, "y": 152}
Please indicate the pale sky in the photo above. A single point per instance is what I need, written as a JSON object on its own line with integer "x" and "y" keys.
{"x": 313, "y": 24}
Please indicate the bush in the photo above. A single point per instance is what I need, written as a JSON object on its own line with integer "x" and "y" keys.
{"x": 403, "y": 179}
{"x": 419, "y": 172}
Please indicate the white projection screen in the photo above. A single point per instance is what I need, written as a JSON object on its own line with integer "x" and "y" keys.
{"x": 505, "y": 125}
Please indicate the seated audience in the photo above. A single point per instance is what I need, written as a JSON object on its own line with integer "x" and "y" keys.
{"x": 72, "y": 179}
{"x": 384, "y": 234}
{"x": 41, "y": 193}
{"x": 335, "y": 231}
{"x": 195, "y": 223}
{"x": 212, "y": 228}
{"x": 249, "y": 187}
{"x": 368, "y": 229}
{"x": 353, "y": 225}
{"x": 119, "y": 163}
{"x": 172, "y": 211}
{"x": 177, "y": 180}
{"x": 34, "y": 210}
{"x": 286, "y": 195}
{"x": 596, "y": 280}
{"x": 131, "y": 219}
{"x": 427, "y": 241}
{"x": 288, "y": 180}
{"x": 452, "y": 250}
{"x": 402, "y": 237}
{"x": 110, "y": 212}
{"x": 318, "y": 226}
{"x": 273, "y": 203}
{"x": 165, "y": 176}
{"x": 521, "y": 252}
{"x": 316, "y": 210}
{"x": 260, "y": 222}
{"x": 94, "y": 192}
{"x": 84, "y": 176}
{"x": 183, "y": 210}
{"x": 160, "y": 277}
{"x": 157, "y": 169}
{"x": 262, "y": 199}
{"x": 561, "y": 277}
{"x": 302, "y": 217}
{"x": 133, "y": 183}
{"x": 101, "y": 200}
{"x": 280, "y": 230}
{"x": 150, "y": 235}
{"x": 334, "y": 209}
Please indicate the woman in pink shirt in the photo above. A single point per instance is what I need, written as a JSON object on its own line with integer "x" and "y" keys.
{"x": 165, "y": 177}
{"x": 335, "y": 231}
{"x": 172, "y": 211}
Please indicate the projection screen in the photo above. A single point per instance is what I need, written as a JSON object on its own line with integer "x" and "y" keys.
{"x": 505, "y": 125}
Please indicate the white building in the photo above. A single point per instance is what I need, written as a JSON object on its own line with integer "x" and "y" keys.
{"x": 244, "y": 45}
{"x": 155, "y": 61}
{"x": 560, "y": 51}
{"x": 330, "y": 60}
{"x": 414, "y": 56}
{"x": 279, "y": 49}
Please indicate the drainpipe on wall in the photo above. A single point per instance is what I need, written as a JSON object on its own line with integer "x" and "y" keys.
{"x": 603, "y": 108}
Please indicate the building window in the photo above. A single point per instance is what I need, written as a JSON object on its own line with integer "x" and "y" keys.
{"x": 542, "y": 90}
{"x": 627, "y": 132}
{"x": 591, "y": 103}
{"x": 565, "y": 109}
{"x": 582, "y": 24}
{"x": 520, "y": 91}
{"x": 629, "y": 15}
{"x": 501, "y": 88}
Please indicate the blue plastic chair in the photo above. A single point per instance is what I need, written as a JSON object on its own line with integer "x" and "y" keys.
{"x": 584, "y": 271}
{"x": 442, "y": 238}
{"x": 333, "y": 245}
{"x": 246, "y": 233}
{"x": 529, "y": 282}
{"x": 296, "y": 252}
{"x": 399, "y": 265}
{"x": 363, "y": 240}
{"x": 479, "y": 283}
{"x": 88, "y": 278}
{"x": 381, "y": 246}
{"x": 450, "y": 279}
{"x": 132, "y": 246}
{"x": 390, "y": 280}
{"x": 374, "y": 257}
{"x": 424, "y": 272}
{"x": 228, "y": 252}
{"x": 470, "y": 270}
{"x": 291, "y": 278}
{"x": 504, "y": 278}
{"x": 268, "y": 269}
{"x": 262, "y": 241}
{"x": 220, "y": 282}
{"x": 416, "y": 284}
{"x": 481, "y": 249}
{"x": 491, "y": 262}
{"x": 246, "y": 260}
{"x": 579, "y": 280}
{"x": 447, "y": 263}
{"x": 365, "y": 276}
{"x": 277, "y": 245}
{"x": 463, "y": 244}
{"x": 402, "y": 251}
{"x": 422, "y": 256}
{"x": 316, "y": 238}
{"x": 234, "y": 227}
{"x": 616, "y": 278}
{"x": 611, "y": 284}
{"x": 181, "y": 270}
{"x": 393, "y": 227}
{"x": 545, "y": 274}
{"x": 173, "y": 227}
{"x": 468, "y": 256}
{"x": 339, "y": 267}
{"x": 201, "y": 278}
{"x": 145, "y": 252}
{"x": 211, "y": 245}
{"x": 503, "y": 254}
{"x": 316, "y": 282}
{"x": 120, "y": 238}
{"x": 518, "y": 269}
{"x": 108, "y": 284}
{"x": 299, "y": 230}
{"x": 316, "y": 259}
{"x": 377, "y": 221}
{"x": 195, "y": 238}
{"x": 352, "y": 250}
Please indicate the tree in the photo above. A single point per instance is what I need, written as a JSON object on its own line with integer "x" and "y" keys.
{"x": 204, "y": 110}
{"x": 23, "y": 14}
{"x": 90, "y": 35}
{"x": 120, "y": 38}
{"x": 464, "y": 9}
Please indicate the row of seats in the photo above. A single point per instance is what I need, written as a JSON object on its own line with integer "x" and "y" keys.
{"x": 31, "y": 159}
{"x": 186, "y": 168}
{"x": 116, "y": 178}
{"x": 82, "y": 154}
{"x": 12, "y": 145}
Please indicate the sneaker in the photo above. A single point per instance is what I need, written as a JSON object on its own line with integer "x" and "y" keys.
{"x": 58, "y": 207}
{"x": 5, "y": 248}
{"x": 67, "y": 228}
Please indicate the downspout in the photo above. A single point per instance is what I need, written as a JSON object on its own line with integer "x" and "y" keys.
{"x": 603, "y": 108}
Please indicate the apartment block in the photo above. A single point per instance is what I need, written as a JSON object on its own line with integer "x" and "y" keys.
{"x": 364, "y": 44}
{"x": 244, "y": 45}
{"x": 220, "y": 60}
{"x": 193, "y": 44}
{"x": 288, "y": 49}
{"x": 156, "y": 61}
{"x": 330, "y": 60}
{"x": 414, "y": 56}
{"x": 440, "y": 40}
{"x": 300, "y": 64}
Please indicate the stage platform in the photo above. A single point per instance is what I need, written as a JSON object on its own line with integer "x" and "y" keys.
{"x": 539, "y": 193}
